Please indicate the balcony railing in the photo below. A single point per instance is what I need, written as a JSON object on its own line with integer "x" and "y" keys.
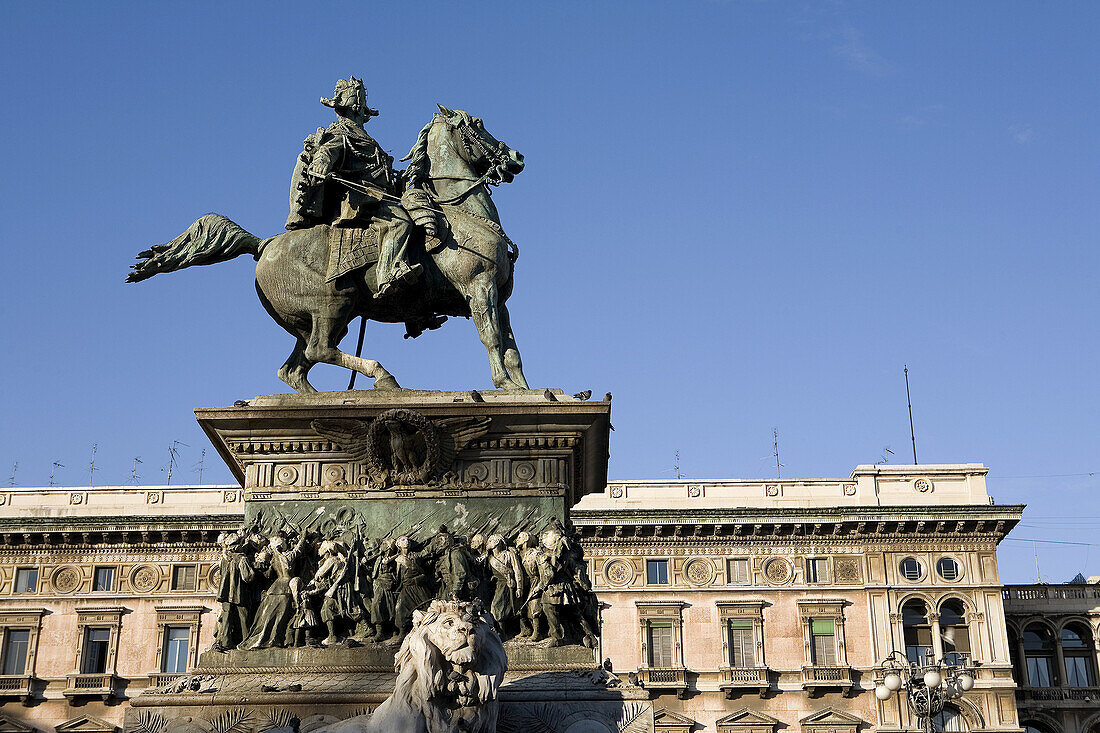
{"x": 1087, "y": 695}
{"x": 1044, "y": 592}
{"x": 820, "y": 677}
{"x": 664, "y": 678}
{"x": 164, "y": 678}
{"x": 90, "y": 685}
{"x": 16, "y": 686}
{"x": 734, "y": 679}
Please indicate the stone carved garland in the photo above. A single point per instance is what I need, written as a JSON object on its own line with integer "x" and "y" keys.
{"x": 66, "y": 580}
{"x": 777, "y": 570}
{"x": 699, "y": 572}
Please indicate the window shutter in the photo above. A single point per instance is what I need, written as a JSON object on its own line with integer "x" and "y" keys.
{"x": 660, "y": 644}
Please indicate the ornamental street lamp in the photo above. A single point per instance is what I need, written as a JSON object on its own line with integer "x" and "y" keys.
{"x": 927, "y": 686}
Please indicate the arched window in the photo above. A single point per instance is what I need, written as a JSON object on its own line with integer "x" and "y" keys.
{"x": 954, "y": 632}
{"x": 1077, "y": 650}
{"x": 917, "y": 632}
{"x": 950, "y": 721}
{"x": 1029, "y": 728}
{"x": 1039, "y": 656}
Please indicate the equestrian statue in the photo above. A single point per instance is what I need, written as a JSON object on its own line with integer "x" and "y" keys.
{"x": 412, "y": 246}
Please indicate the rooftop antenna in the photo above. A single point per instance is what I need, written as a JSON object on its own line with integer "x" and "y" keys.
{"x": 11, "y": 479}
{"x": 173, "y": 456}
{"x": 53, "y": 467}
{"x": 1035, "y": 548}
{"x": 677, "y": 466}
{"x": 912, "y": 433}
{"x": 886, "y": 453}
{"x": 775, "y": 452}
{"x": 202, "y": 460}
{"x": 91, "y": 465}
{"x": 133, "y": 471}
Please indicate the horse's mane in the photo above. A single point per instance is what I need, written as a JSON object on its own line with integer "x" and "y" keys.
{"x": 419, "y": 164}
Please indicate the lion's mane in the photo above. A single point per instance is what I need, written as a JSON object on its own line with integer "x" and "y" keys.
{"x": 449, "y": 668}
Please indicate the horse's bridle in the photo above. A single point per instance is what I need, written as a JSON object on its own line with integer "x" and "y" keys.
{"x": 494, "y": 176}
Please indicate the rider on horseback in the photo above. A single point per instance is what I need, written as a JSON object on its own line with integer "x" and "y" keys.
{"x": 344, "y": 178}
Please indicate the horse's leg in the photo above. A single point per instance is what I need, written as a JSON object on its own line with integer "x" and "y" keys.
{"x": 512, "y": 362}
{"x": 485, "y": 310}
{"x": 321, "y": 347}
{"x": 296, "y": 367}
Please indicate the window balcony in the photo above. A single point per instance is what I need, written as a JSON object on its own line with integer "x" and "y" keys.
{"x": 1061, "y": 697}
{"x": 738, "y": 679}
{"x": 664, "y": 678}
{"x": 100, "y": 686}
{"x": 17, "y": 687}
{"x": 817, "y": 678}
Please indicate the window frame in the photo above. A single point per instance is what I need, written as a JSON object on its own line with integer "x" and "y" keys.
{"x": 177, "y": 617}
{"x": 921, "y": 570}
{"x": 174, "y": 587}
{"x": 99, "y": 618}
{"x": 22, "y": 620}
{"x": 957, "y": 565}
{"x": 658, "y": 562}
{"x": 25, "y": 569}
{"x": 729, "y": 571}
{"x": 112, "y": 586}
{"x": 811, "y": 610}
{"x": 742, "y": 611}
{"x": 660, "y": 612}
{"x": 822, "y": 573}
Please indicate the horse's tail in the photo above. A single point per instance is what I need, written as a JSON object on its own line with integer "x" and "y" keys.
{"x": 211, "y": 239}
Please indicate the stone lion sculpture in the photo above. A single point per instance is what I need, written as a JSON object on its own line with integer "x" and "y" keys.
{"x": 449, "y": 668}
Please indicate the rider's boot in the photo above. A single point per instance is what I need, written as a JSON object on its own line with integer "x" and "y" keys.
{"x": 401, "y": 276}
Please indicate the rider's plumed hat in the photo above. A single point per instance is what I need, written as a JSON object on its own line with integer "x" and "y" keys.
{"x": 350, "y": 94}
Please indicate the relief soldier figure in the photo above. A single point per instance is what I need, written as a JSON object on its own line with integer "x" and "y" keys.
{"x": 531, "y": 614}
{"x": 413, "y": 586}
{"x": 507, "y": 574}
{"x": 344, "y": 178}
{"x": 272, "y": 625}
{"x": 236, "y": 592}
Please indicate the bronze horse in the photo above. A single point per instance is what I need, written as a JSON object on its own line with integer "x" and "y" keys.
{"x": 467, "y": 272}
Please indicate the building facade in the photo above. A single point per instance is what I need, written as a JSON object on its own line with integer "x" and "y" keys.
{"x": 1052, "y": 633}
{"x": 752, "y": 606}
{"x": 769, "y": 604}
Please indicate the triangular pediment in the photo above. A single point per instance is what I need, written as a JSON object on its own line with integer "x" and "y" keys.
{"x": 11, "y": 725}
{"x": 86, "y": 724}
{"x": 831, "y": 716}
{"x": 747, "y": 717}
{"x": 666, "y": 720}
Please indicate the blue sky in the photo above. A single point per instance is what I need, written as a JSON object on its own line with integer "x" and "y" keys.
{"x": 735, "y": 216}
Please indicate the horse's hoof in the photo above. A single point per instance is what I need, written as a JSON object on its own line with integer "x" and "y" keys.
{"x": 386, "y": 383}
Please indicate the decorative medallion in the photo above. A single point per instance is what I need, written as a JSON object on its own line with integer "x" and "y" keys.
{"x": 66, "y": 579}
{"x": 523, "y": 471}
{"x": 403, "y": 447}
{"x": 333, "y": 475}
{"x": 477, "y": 472}
{"x": 699, "y": 571}
{"x": 618, "y": 572}
{"x": 229, "y": 497}
{"x": 771, "y": 490}
{"x": 616, "y": 492}
{"x": 145, "y": 578}
{"x": 286, "y": 475}
{"x": 777, "y": 571}
{"x": 847, "y": 569}
{"x": 923, "y": 485}
{"x": 215, "y": 575}
{"x": 76, "y": 498}
{"x": 849, "y": 489}
{"x": 695, "y": 492}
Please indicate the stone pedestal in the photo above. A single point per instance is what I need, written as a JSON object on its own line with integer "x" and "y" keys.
{"x": 384, "y": 464}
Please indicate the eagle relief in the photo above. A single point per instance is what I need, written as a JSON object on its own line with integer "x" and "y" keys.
{"x": 403, "y": 447}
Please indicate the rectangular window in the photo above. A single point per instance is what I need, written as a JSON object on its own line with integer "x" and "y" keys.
{"x": 16, "y": 644}
{"x": 823, "y": 637}
{"x": 26, "y": 580}
{"x": 741, "y": 643}
{"x": 738, "y": 570}
{"x": 1038, "y": 671}
{"x": 96, "y": 645}
{"x": 184, "y": 577}
{"x": 1077, "y": 672}
{"x": 660, "y": 644}
{"x": 174, "y": 656}
{"x": 656, "y": 572}
{"x": 104, "y": 579}
{"x": 817, "y": 570}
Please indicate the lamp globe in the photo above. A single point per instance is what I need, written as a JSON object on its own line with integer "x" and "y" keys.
{"x": 932, "y": 679}
{"x": 882, "y": 692}
{"x": 892, "y": 682}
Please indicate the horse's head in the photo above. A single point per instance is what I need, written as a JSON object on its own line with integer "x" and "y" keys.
{"x": 463, "y": 140}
